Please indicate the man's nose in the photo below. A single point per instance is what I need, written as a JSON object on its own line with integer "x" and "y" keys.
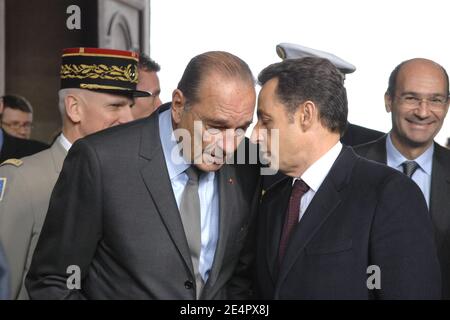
{"x": 422, "y": 111}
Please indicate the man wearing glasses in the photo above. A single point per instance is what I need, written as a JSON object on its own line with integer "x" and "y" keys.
{"x": 15, "y": 129}
{"x": 417, "y": 98}
{"x": 17, "y": 117}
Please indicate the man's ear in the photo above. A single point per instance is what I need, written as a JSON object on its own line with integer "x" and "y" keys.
{"x": 178, "y": 104}
{"x": 307, "y": 115}
{"x": 1, "y": 106}
{"x": 72, "y": 104}
{"x": 387, "y": 102}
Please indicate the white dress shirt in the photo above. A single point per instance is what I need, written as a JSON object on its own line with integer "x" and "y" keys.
{"x": 315, "y": 174}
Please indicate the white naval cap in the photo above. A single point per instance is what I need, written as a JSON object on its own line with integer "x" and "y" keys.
{"x": 294, "y": 51}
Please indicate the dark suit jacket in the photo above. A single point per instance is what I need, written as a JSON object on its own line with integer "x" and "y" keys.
{"x": 18, "y": 148}
{"x": 4, "y": 276}
{"x": 363, "y": 214}
{"x": 439, "y": 200}
{"x": 354, "y": 135}
{"x": 113, "y": 213}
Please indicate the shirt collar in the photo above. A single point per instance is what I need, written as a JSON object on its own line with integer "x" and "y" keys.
{"x": 317, "y": 172}
{"x": 175, "y": 162}
{"x": 395, "y": 158}
{"x": 64, "y": 142}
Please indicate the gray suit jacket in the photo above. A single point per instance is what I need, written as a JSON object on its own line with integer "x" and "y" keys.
{"x": 113, "y": 214}
{"x": 29, "y": 184}
{"x": 439, "y": 200}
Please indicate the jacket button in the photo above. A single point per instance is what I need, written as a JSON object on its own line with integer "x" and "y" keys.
{"x": 188, "y": 284}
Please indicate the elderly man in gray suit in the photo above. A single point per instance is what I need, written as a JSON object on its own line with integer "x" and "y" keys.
{"x": 158, "y": 208}
{"x": 417, "y": 98}
{"x": 28, "y": 183}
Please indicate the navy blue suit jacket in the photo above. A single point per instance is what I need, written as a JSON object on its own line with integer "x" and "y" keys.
{"x": 363, "y": 214}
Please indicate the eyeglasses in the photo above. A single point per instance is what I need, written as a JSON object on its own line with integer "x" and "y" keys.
{"x": 436, "y": 102}
{"x": 18, "y": 125}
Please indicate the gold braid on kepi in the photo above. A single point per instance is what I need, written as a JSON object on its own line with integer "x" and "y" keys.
{"x": 98, "y": 69}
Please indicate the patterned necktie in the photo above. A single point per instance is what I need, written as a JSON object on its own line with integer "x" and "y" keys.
{"x": 409, "y": 167}
{"x": 298, "y": 190}
{"x": 190, "y": 216}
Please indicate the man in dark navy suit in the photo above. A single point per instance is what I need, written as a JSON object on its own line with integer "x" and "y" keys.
{"x": 337, "y": 226}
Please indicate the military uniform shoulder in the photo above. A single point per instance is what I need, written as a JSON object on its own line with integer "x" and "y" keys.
{"x": 13, "y": 162}
{"x": 36, "y": 161}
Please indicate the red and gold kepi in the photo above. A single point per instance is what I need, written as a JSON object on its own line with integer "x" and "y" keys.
{"x": 105, "y": 70}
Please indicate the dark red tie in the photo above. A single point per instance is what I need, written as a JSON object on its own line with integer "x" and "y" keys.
{"x": 298, "y": 190}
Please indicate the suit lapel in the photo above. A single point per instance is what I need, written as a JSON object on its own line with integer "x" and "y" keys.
{"x": 326, "y": 200}
{"x": 440, "y": 189}
{"x": 156, "y": 178}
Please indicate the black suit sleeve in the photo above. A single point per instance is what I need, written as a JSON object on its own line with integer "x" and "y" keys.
{"x": 402, "y": 243}
{"x": 72, "y": 228}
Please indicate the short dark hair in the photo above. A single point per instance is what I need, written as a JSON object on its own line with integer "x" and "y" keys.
{"x": 17, "y": 102}
{"x": 224, "y": 63}
{"x": 313, "y": 79}
{"x": 147, "y": 64}
{"x": 392, "y": 85}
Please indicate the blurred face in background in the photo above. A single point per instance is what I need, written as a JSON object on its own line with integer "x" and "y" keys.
{"x": 148, "y": 81}
{"x": 17, "y": 123}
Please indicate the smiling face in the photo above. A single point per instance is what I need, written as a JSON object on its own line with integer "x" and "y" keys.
{"x": 419, "y": 104}
{"x": 219, "y": 118}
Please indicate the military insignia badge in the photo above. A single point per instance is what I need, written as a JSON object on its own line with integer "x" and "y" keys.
{"x": 2, "y": 187}
{"x": 12, "y": 161}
